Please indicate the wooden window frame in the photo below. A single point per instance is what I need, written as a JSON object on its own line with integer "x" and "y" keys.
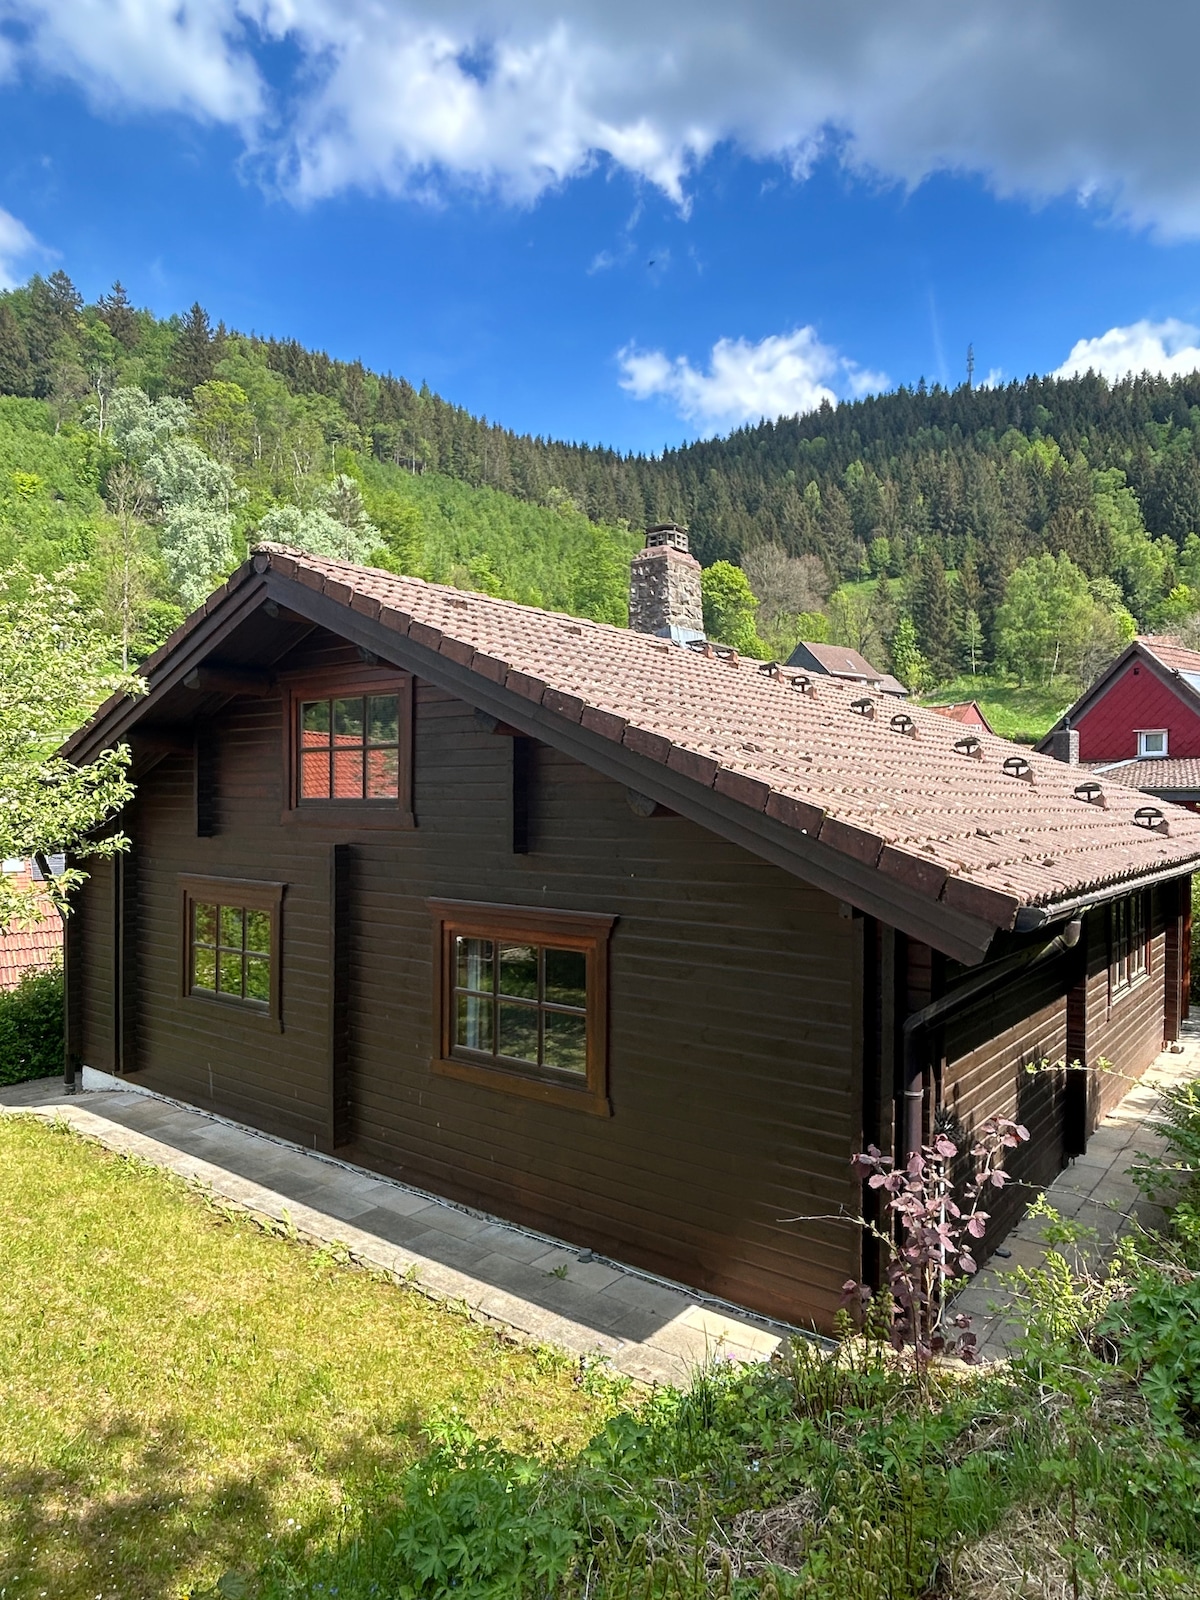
{"x": 250, "y": 894}
{"x": 564, "y": 930}
{"x": 336, "y": 684}
{"x": 1129, "y": 944}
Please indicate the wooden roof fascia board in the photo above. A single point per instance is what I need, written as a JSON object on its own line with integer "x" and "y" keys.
{"x": 111, "y": 727}
{"x": 958, "y": 934}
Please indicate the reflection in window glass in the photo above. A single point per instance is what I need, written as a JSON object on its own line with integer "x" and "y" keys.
{"x": 520, "y": 1003}
{"x": 349, "y": 748}
{"x": 230, "y": 952}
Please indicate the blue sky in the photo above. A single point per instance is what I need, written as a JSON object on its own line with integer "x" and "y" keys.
{"x": 627, "y": 224}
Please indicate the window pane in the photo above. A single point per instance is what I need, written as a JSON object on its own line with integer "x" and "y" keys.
{"x": 518, "y": 1032}
{"x": 230, "y": 973}
{"x": 231, "y": 926}
{"x": 348, "y": 774}
{"x": 258, "y": 978}
{"x": 474, "y": 958}
{"x": 565, "y": 1041}
{"x": 314, "y": 775}
{"x": 519, "y": 970}
{"x": 204, "y": 923}
{"x": 383, "y": 774}
{"x": 204, "y": 969}
{"x": 348, "y": 721}
{"x": 258, "y": 931}
{"x": 566, "y": 977}
{"x": 383, "y": 719}
{"x": 314, "y": 722}
{"x": 473, "y": 1022}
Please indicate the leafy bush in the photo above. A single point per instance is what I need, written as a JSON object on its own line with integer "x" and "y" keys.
{"x": 31, "y": 1027}
{"x": 1157, "y": 1330}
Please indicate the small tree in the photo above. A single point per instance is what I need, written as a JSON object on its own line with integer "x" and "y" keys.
{"x": 730, "y": 607}
{"x": 54, "y": 670}
{"x": 908, "y": 663}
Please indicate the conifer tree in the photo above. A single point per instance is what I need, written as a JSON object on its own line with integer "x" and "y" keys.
{"x": 16, "y": 374}
{"x": 117, "y": 311}
{"x": 193, "y": 359}
{"x": 933, "y": 613}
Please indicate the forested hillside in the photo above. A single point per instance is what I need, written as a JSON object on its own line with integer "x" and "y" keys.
{"x": 1023, "y": 531}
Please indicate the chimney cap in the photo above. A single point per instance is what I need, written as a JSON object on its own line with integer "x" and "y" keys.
{"x": 670, "y": 534}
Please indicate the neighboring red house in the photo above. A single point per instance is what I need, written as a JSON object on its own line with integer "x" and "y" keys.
{"x": 34, "y": 946}
{"x": 1139, "y": 721}
{"x": 968, "y": 712}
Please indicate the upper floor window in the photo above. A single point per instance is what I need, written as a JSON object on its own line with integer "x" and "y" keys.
{"x": 1152, "y": 742}
{"x": 522, "y": 1001}
{"x": 348, "y": 748}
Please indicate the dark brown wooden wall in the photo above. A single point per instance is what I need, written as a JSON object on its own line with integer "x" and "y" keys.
{"x": 734, "y": 1030}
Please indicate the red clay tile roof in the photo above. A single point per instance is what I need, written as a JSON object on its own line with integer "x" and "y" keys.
{"x": 1154, "y": 776}
{"x": 904, "y": 791}
{"x": 1172, "y": 655}
{"x": 965, "y": 711}
{"x": 31, "y": 948}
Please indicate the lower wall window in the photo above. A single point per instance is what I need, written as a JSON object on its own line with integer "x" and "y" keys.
{"x": 522, "y": 1000}
{"x": 1129, "y": 929}
{"x": 231, "y": 943}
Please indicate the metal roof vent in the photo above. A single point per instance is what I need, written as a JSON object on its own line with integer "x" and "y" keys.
{"x": 865, "y": 706}
{"x": 1091, "y": 793}
{"x": 1152, "y": 818}
{"x": 969, "y": 745}
{"x": 1018, "y": 767}
{"x": 903, "y": 723}
{"x": 803, "y": 683}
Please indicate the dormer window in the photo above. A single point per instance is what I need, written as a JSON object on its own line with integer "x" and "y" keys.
{"x": 1151, "y": 742}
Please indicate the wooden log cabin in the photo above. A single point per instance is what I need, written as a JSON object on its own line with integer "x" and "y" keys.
{"x": 603, "y": 931}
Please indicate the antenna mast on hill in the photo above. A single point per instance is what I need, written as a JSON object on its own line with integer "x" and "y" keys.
{"x": 970, "y": 366}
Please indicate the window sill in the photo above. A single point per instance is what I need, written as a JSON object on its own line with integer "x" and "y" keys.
{"x": 349, "y": 816}
{"x": 525, "y": 1085}
{"x": 1126, "y": 989}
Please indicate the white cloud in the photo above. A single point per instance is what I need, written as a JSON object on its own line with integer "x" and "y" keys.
{"x": 16, "y": 242}
{"x": 1041, "y": 97}
{"x": 779, "y": 376}
{"x": 1170, "y": 347}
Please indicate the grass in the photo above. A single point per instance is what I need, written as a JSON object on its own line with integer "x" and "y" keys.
{"x": 1023, "y": 714}
{"x": 181, "y": 1391}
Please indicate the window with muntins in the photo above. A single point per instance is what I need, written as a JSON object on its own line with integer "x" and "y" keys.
{"x": 521, "y": 1000}
{"x": 1130, "y": 942}
{"x": 231, "y": 943}
{"x": 348, "y": 748}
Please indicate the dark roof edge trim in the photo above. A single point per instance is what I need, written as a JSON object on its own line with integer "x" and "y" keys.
{"x": 1031, "y": 918}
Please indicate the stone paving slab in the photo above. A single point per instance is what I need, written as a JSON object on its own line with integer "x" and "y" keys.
{"x": 537, "y": 1288}
{"x": 1095, "y": 1190}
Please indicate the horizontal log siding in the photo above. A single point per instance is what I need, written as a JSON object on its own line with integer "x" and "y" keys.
{"x": 94, "y": 972}
{"x": 985, "y": 1075}
{"x": 1125, "y": 1030}
{"x": 730, "y": 1003}
{"x": 212, "y": 1054}
{"x": 730, "y": 1010}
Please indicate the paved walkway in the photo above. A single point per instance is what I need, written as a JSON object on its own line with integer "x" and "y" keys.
{"x": 1094, "y": 1190}
{"x": 533, "y": 1286}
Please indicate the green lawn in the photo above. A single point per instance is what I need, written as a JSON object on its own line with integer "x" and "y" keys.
{"x": 180, "y": 1391}
{"x": 1024, "y": 714}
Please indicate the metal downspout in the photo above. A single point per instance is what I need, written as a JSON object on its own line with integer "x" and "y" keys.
{"x": 961, "y": 999}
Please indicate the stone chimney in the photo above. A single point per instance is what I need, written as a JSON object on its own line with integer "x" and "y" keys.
{"x": 664, "y": 587}
{"x": 1064, "y": 746}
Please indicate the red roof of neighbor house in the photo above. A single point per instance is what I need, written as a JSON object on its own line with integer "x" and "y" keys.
{"x": 839, "y": 660}
{"x": 967, "y": 712}
{"x": 34, "y": 946}
{"x": 1172, "y": 654}
{"x": 904, "y": 794}
{"x": 1157, "y": 775}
